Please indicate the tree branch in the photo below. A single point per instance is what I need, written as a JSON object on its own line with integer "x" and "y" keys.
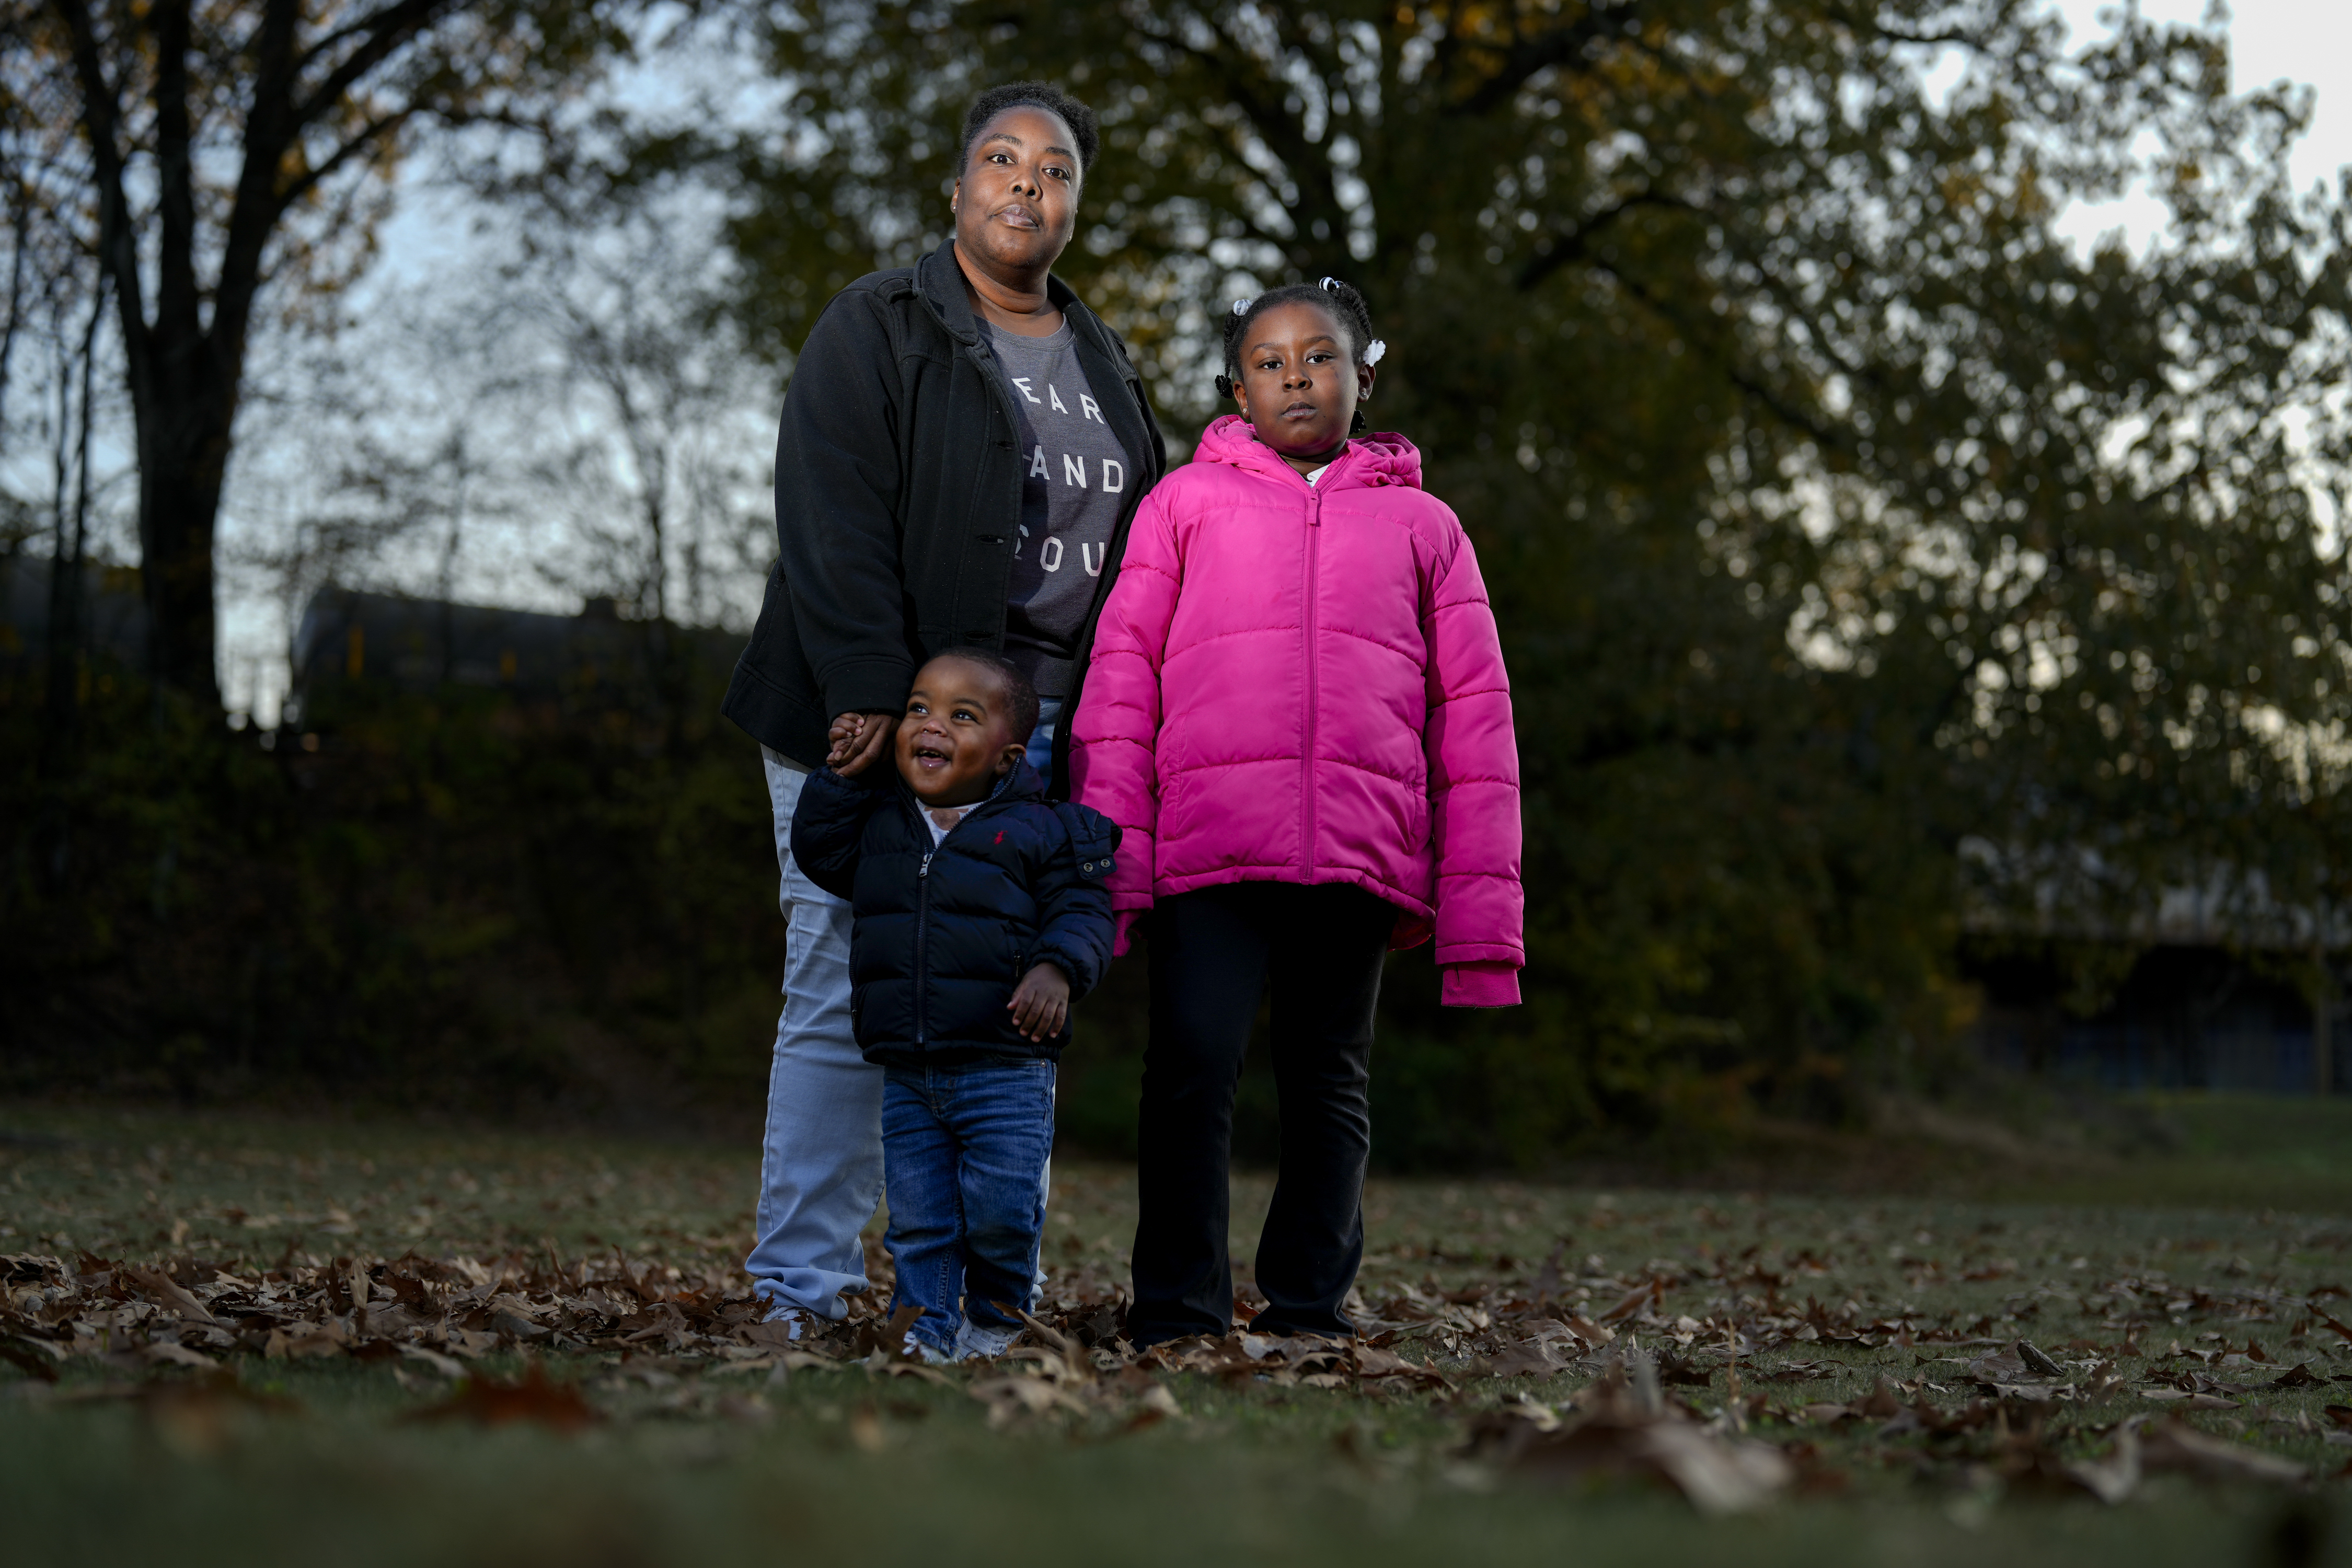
{"x": 362, "y": 141}
{"x": 269, "y": 131}
{"x": 177, "y": 294}
{"x": 1528, "y": 55}
{"x": 118, "y": 249}
{"x": 1261, "y": 104}
{"x": 1780, "y": 407}
{"x": 1571, "y": 246}
{"x": 386, "y": 29}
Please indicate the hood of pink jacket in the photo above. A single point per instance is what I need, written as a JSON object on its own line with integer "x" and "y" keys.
{"x": 1303, "y": 683}
{"x": 1382, "y": 457}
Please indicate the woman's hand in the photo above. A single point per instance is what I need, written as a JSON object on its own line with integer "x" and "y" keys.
{"x": 1041, "y": 1003}
{"x": 856, "y": 738}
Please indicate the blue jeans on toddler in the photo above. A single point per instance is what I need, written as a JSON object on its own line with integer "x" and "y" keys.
{"x": 964, "y": 1156}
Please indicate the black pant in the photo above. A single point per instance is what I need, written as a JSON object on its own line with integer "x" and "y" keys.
{"x": 1212, "y": 952}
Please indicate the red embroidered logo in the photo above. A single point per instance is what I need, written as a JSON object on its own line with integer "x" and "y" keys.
{"x": 999, "y": 836}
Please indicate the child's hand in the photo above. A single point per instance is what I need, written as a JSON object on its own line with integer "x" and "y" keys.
{"x": 1040, "y": 1005}
{"x": 843, "y": 738}
{"x": 856, "y": 738}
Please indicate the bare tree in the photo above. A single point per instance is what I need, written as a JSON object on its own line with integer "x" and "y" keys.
{"x": 239, "y": 148}
{"x": 654, "y": 417}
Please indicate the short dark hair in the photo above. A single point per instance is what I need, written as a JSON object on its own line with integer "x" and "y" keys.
{"x": 1347, "y": 307}
{"x": 1020, "y": 692}
{"x": 1042, "y": 95}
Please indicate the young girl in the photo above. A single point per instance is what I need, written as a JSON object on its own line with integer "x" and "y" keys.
{"x": 1296, "y": 712}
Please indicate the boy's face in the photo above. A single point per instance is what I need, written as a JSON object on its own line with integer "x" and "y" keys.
{"x": 1299, "y": 384}
{"x": 956, "y": 740}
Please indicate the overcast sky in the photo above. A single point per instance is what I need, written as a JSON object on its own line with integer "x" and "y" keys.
{"x": 2306, "y": 41}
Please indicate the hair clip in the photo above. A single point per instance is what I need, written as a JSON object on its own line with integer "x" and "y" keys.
{"x": 1373, "y": 350}
{"x": 1329, "y": 283}
{"x": 1240, "y": 307}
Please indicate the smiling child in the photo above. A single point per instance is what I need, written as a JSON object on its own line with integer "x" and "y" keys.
{"x": 980, "y": 912}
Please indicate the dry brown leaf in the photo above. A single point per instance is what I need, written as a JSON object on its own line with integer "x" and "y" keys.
{"x": 2173, "y": 1446}
{"x": 2116, "y": 1477}
{"x": 1622, "y": 1432}
{"x": 1528, "y": 1358}
{"x": 489, "y": 1402}
{"x": 1635, "y": 1299}
{"x": 169, "y": 1292}
{"x": 446, "y": 1367}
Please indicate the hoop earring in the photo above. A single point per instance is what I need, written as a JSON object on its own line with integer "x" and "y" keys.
{"x": 1358, "y": 424}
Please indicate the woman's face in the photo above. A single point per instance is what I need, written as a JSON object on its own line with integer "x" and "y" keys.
{"x": 1016, "y": 200}
{"x": 1299, "y": 384}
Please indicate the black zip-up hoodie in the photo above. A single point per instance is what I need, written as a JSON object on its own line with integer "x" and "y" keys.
{"x": 943, "y": 934}
{"x": 899, "y": 503}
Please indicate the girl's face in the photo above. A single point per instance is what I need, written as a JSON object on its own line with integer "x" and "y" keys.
{"x": 1300, "y": 382}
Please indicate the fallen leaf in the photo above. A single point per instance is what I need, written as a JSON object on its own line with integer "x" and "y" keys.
{"x": 169, "y": 1292}
{"x": 2174, "y": 1446}
{"x": 1620, "y": 1431}
{"x": 2036, "y": 1360}
{"x": 865, "y": 1428}
{"x": 2116, "y": 1477}
{"x": 1635, "y": 1301}
{"x": 1526, "y": 1358}
{"x": 1010, "y": 1397}
{"x": 489, "y": 1402}
{"x": 23, "y": 1354}
{"x": 446, "y": 1367}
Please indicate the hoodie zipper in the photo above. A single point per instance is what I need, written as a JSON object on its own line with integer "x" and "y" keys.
{"x": 923, "y": 905}
{"x": 922, "y": 927}
{"x": 1307, "y": 730}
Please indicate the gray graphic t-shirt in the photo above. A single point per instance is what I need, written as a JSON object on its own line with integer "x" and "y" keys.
{"x": 1076, "y": 479}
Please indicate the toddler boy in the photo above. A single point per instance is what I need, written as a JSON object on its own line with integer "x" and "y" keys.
{"x": 981, "y": 912}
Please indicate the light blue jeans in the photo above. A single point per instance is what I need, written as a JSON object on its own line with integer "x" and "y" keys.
{"x": 821, "y": 1160}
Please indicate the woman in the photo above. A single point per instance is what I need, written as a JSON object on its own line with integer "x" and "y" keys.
{"x": 962, "y": 449}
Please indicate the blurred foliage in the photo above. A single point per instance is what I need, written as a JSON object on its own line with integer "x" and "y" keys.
{"x": 1872, "y": 560}
{"x": 1868, "y": 555}
{"x": 449, "y": 903}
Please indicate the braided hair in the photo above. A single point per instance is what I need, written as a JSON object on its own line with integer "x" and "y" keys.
{"x": 1342, "y": 299}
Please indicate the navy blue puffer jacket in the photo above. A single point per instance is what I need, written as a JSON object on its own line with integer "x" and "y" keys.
{"x": 942, "y": 936}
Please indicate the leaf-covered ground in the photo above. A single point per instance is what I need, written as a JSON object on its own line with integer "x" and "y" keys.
{"x": 247, "y": 1338}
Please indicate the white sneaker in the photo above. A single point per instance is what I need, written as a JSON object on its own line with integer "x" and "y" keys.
{"x": 971, "y": 1340}
{"x": 798, "y": 1323}
{"x": 925, "y": 1351}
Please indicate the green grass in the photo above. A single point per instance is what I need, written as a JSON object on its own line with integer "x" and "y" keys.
{"x": 693, "y": 1462}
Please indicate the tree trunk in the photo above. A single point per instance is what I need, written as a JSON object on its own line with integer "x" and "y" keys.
{"x": 184, "y": 443}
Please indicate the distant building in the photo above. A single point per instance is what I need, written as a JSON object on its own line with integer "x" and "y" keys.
{"x": 2209, "y": 988}
{"x": 2181, "y": 1017}
{"x": 113, "y": 617}
{"x": 350, "y": 642}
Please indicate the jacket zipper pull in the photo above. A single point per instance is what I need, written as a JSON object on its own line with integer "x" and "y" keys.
{"x": 925, "y": 870}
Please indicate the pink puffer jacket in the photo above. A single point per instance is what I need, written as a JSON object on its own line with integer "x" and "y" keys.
{"x": 1296, "y": 683}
